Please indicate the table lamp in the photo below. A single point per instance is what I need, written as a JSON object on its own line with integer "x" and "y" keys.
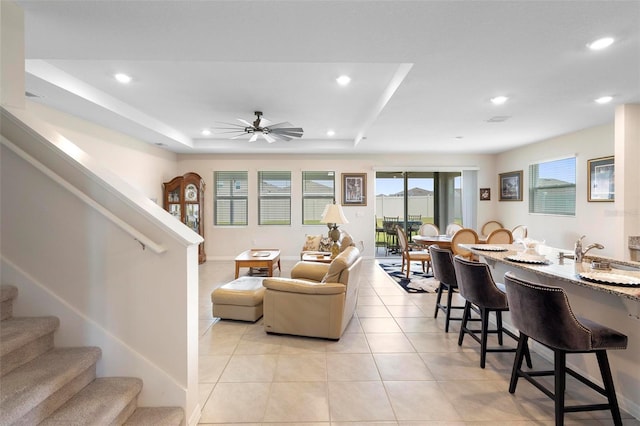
{"x": 333, "y": 216}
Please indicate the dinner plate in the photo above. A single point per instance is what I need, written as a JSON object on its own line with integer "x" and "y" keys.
{"x": 487, "y": 247}
{"x": 537, "y": 260}
{"x": 610, "y": 278}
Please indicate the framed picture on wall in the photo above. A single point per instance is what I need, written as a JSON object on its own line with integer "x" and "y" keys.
{"x": 354, "y": 189}
{"x": 485, "y": 194}
{"x": 601, "y": 179}
{"x": 511, "y": 186}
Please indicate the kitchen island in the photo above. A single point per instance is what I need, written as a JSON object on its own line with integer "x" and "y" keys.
{"x": 616, "y": 306}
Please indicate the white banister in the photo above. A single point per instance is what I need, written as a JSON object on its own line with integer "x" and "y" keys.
{"x": 137, "y": 235}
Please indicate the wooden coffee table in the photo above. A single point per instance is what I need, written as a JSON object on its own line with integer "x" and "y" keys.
{"x": 259, "y": 258}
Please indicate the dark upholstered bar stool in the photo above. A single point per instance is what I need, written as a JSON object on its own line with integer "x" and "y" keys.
{"x": 477, "y": 287}
{"x": 443, "y": 271}
{"x": 543, "y": 314}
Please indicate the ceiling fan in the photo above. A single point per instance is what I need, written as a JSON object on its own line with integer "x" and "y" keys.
{"x": 261, "y": 127}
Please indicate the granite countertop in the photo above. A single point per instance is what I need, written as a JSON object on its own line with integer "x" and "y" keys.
{"x": 565, "y": 269}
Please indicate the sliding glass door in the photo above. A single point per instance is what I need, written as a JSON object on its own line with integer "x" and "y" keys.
{"x": 419, "y": 197}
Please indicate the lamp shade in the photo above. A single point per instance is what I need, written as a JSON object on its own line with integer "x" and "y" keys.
{"x": 333, "y": 214}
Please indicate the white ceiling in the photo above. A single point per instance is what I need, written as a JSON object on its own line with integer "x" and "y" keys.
{"x": 422, "y": 71}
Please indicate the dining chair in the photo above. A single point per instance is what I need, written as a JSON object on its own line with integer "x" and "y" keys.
{"x": 428, "y": 230}
{"x": 389, "y": 224}
{"x": 483, "y": 295}
{"x": 463, "y": 236}
{"x": 490, "y": 226}
{"x": 444, "y": 272}
{"x": 452, "y": 228}
{"x": 381, "y": 236}
{"x": 500, "y": 236}
{"x": 543, "y": 313}
{"x": 519, "y": 232}
{"x": 409, "y": 255}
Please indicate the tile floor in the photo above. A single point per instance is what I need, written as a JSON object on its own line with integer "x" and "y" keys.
{"x": 394, "y": 365}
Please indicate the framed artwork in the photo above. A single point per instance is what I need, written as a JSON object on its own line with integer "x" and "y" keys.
{"x": 511, "y": 186}
{"x": 354, "y": 189}
{"x": 601, "y": 179}
{"x": 485, "y": 194}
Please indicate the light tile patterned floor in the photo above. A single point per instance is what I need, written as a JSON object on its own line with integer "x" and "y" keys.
{"x": 395, "y": 365}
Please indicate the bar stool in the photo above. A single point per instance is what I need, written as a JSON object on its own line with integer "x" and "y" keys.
{"x": 477, "y": 287}
{"x": 443, "y": 271}
{"x": 543, "y": 314}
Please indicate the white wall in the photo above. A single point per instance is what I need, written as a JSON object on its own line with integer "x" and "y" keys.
{"x": 227, "y": 242}
{"x": 140, "y": 164}
{"x": 593, "y": 219}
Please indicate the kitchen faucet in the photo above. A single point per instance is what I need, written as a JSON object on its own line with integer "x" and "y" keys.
{"x": 579, "y": 252}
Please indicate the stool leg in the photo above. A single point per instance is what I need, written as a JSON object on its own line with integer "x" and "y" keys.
{"x": 438, "y": 298}
{"x": 560, "y": 358}
{"x": 517, "y": 362}
{"x": 605, "y": 370}
{"x": 499, "y": 326}
{"x": 465, "y": 317}
{"x": 484, "y": 315}
{"x": 448, "y": 316}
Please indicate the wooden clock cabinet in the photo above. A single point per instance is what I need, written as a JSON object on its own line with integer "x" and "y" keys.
{"x": 184, "y": 199}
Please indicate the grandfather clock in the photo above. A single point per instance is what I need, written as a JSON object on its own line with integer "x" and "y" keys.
{"x": 184, "y": 199}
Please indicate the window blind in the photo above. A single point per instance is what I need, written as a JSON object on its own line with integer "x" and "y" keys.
{"x": 231, "y": 198}
{"x": 274, "y": 199}
{"x": 552, "y": 187}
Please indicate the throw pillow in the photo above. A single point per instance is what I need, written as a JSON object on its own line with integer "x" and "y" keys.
{"x": 325, "y": 244}
{"x": 347, "y": 241}
{"x": 312, "y": 243}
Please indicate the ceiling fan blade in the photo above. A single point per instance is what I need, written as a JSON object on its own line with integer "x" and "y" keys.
{"x": 254, "y": 137}
{"x": 268, "y": 137}
{"x": 264, "y": 122}
{"x": 239, "y": 136}
{"x": 288, "y": 129}
{"x": 245, "y": 122}
{"x": 280, "y": 125}
{"x": 280, "y": 137}
{"x": 287, "y": 132}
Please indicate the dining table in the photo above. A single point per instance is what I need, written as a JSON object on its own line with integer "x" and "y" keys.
{"x": 443, "y": 241}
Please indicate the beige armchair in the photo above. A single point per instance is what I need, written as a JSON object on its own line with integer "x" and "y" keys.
{"x": 317, "y": 301}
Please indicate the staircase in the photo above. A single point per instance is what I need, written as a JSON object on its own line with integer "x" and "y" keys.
{"x": 42, "y": 384}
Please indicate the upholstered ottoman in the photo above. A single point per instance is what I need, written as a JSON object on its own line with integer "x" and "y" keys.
{"x": 241, "y": 299}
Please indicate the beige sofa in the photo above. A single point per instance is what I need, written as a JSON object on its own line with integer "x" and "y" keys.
{"x": 317, "y": 301}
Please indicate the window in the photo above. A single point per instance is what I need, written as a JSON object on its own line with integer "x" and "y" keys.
{"x": 318, "y": 190}
{"x": 230, "y": 204}
{"x": 274, "y": 199}
{"x": 552, "y": 187}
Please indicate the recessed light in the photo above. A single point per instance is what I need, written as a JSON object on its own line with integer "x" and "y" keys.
{"x": 604, "y": 99}
{"x": 331, "y": 133}
{"x": 499, "y": 100}
{"x": 206, "y": 132}
{"x": 343, "y": 80}
{"x": 122, "y": 78}
{"x": 601, "y": 43}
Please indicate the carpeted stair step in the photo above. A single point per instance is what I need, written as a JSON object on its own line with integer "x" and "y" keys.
{"x": 36, "y": 389}
{"x": 24, "y": 339}
{"x": 7, "y": 294}
{"x": 156, "y": 416}
{"x": 105, "y": 401}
